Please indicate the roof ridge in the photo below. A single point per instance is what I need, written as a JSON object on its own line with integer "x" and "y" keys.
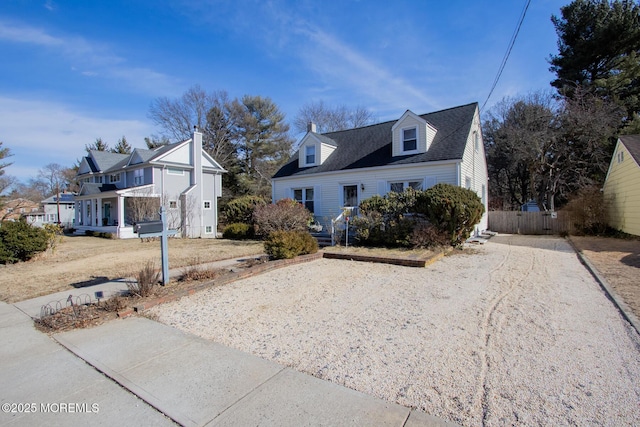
{"x": 395, "y": 120}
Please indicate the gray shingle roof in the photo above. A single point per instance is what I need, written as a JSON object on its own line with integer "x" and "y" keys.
{"x": 370, "y": 146}
{"x": 632, "y": 142}
{"x": 106, "y": 160}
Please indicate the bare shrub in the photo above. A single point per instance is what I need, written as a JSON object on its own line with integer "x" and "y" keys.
{"x": 589, "y": 211}
{"x": 428, "y": 236}
{"x": 114, "y": 304}
{"x": 146, "y": 279}
{"x": 284, "y": 215}
{"x": 193, "y": 272}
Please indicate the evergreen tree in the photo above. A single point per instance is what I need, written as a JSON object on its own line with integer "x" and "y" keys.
{"x": 599, "y": 50}
{"x": 122, "y": 147}
{"x": 97, "y": 145}
{"x": 262, "y": 140}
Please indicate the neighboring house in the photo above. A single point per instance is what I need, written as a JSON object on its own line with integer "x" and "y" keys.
{"x": 622, "y": 185}
{"x": 338, "y": 170}
{"x": 67, "y": 210}
{"x": 118, "y": 190}
{"x": 14, "y": 209}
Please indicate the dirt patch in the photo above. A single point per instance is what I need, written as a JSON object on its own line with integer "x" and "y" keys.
{"x": 81, "y": 261}
{"x": 618, "y": 260}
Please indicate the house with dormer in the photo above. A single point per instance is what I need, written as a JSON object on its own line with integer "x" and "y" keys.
{"x": 333, "y": 172}
{"x": 118, "y": 190}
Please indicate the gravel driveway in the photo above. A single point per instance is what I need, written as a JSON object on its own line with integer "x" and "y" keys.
{"x": 516, "y": 333}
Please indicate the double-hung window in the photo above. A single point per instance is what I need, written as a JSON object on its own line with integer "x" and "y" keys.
{"x": 138, "y": 177}
{"x": 310, "y": 155}
{"x": 409, "y": 139}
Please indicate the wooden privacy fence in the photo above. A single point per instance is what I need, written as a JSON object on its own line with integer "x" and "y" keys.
{"x": 516, "y": 222}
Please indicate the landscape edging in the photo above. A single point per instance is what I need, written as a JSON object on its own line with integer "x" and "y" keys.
{"x": 622, "y": 306}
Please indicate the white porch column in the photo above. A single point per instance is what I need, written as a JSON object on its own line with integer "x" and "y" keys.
{"x": 120, "y": 213}
{"x": 99, "y": 211}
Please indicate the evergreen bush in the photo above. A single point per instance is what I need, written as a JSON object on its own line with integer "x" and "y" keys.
{"x": 289, "y": 244}
{"x": 20, "y": 241}
{"x": 238, "y": 231}
{"x": 452, "y": 209}
{"x": 241, "y": 210}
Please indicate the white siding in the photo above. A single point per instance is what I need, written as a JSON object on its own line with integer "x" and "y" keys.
{"x": 329, "y": 186}
{"x": 407, "y": 122}
{"x": 474, "y": 166}
{"x": 325, "y": 152}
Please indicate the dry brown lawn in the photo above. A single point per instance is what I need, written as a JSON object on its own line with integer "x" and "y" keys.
{"x": 618, "y": 260}
{"x": 82, "y": 260}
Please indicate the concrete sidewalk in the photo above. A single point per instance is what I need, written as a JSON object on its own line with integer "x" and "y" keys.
{"x": 197, "y": 382}
{"x": 44, "y": 384}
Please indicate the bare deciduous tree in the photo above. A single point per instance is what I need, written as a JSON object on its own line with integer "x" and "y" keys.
{"x": 143, "y": 206}
{"x": 331, "y": 119}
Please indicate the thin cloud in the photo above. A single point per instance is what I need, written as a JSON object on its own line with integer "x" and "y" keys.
{"x": 335, "y": 59}
{"x": 39, "y": 132}
{"x": 30, "y": 35}
{"x": 92, "y": 59}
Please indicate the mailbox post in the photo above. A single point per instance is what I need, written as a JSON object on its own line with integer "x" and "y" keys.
{"x": 158, "y": 229}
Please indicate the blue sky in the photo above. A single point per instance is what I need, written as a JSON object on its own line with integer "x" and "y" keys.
{"x": 76, "y": 70}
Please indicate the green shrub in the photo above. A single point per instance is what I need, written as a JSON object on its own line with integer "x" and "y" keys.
{"x": 401, "y": 219}
{"x": 238, "y": 231}
{"x": 241, "y": 210}
{"x": 452, "y": 209}
{"x": 284, "y": 215}
{"x": 20, "y": 241}
{"x": 289, "y": 244}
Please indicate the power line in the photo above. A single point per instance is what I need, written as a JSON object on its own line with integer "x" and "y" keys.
{"x": 506, "y": 55}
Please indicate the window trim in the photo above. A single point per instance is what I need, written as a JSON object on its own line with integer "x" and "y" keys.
{"x": 173, "y": 204}
{"x": 404, "y": 139}
{"x": 405, "y": 184}
{"x": 204, "y": 204}
{"x": 304, "y": 200}
{"x": 138, "y": 177}
{"x": 308, "y": 148}
{"x": 175, "y": 171}
{"x": 208, "y": 229}
{"x": 114, "y": 177}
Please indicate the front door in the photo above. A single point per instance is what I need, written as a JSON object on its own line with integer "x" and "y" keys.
{"x": 106, "y": 218}
{"x": 350, "y": 195}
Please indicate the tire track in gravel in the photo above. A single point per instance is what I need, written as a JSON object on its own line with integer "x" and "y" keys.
{"x": 491, "y": 327}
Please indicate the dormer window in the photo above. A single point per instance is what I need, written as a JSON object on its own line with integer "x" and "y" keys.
{"x": 310, "y": 154}
{"x": 409, "y": 139}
